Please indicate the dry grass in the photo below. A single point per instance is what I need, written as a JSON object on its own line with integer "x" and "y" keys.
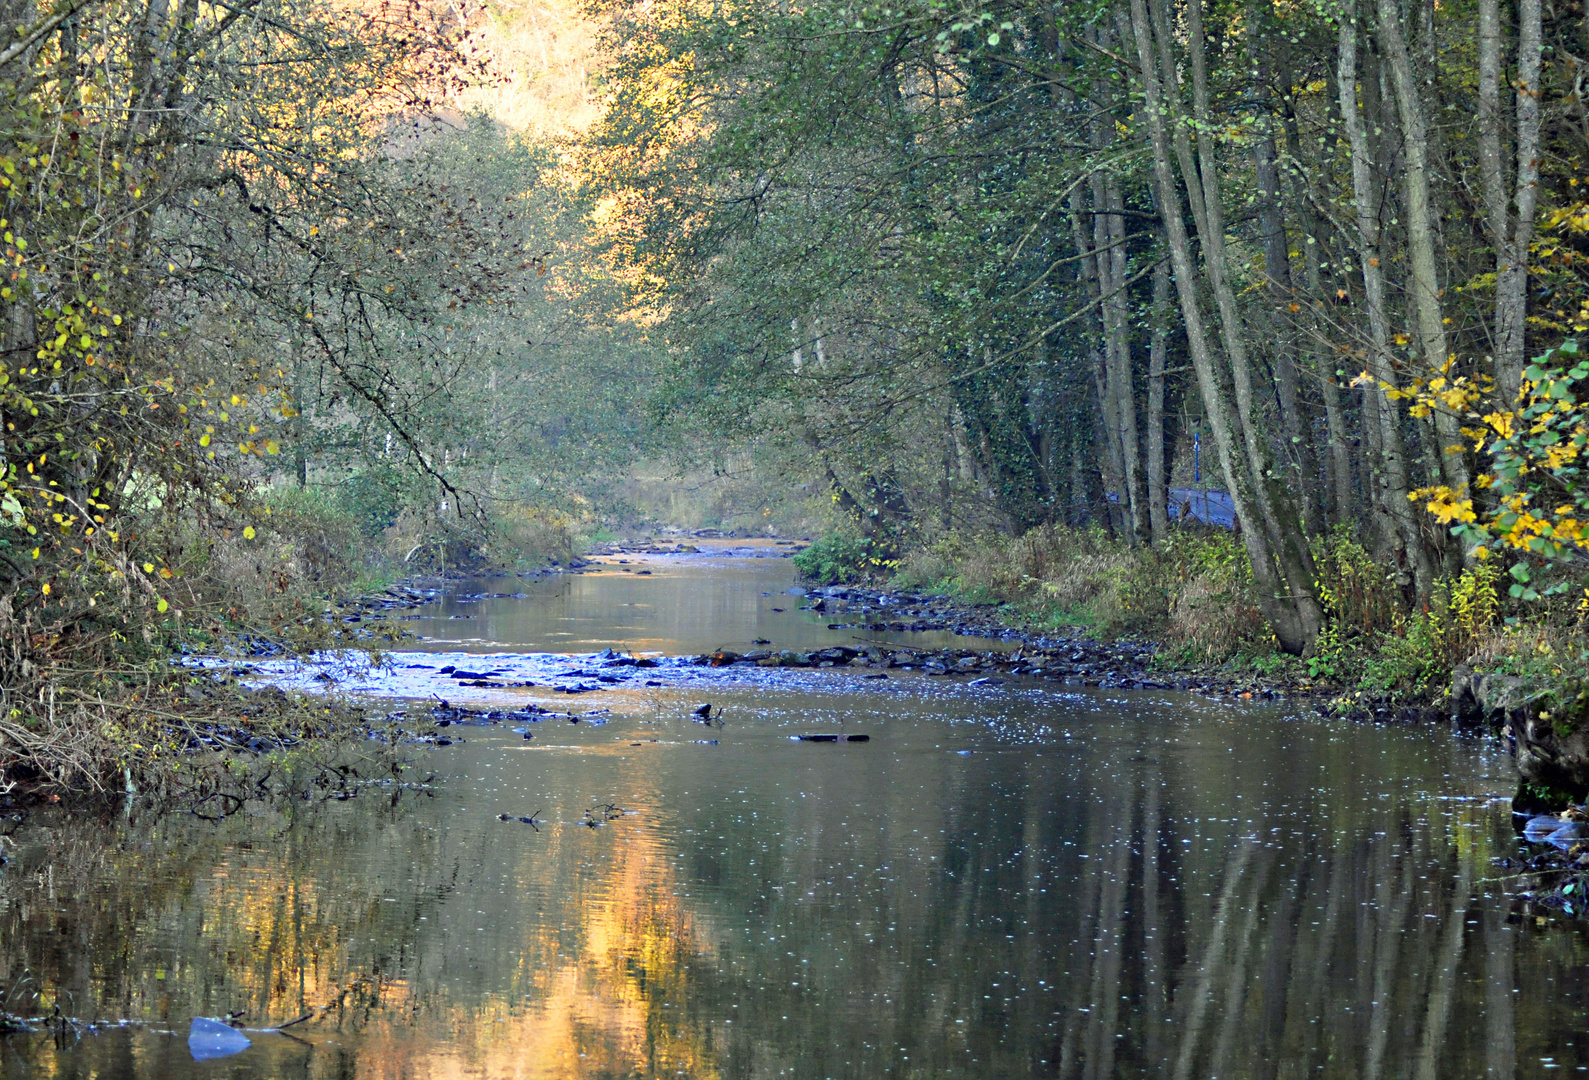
{"x": 524, "y": 536}
{"x": 1192, "y": 594}
{"x": 1212, "y": 620}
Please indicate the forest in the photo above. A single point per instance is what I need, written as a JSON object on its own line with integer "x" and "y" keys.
{"x": 1023, "y": 270}
{"x": 303, "y": 298}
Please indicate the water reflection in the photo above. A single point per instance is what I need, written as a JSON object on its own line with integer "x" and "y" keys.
{"x": 731, "y": 597}
{"x": 1126, "y": 886}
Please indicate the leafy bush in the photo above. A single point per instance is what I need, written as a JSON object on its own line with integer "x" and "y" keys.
{"x": 1419, "y": 651}
{"x": 320, "y": 543}
{"x": 1536, "y": 512}
{"x": 1358, "y": 594}
{"x": 528, "y": 537}
{"x": 1211, "y": 613}
{"x": 841, "y": 558}
{"x": 1053, "y": 570}
{"x": 373, "y": 498}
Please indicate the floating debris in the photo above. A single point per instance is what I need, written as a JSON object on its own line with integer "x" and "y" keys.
{"x": 209, "y": 1039}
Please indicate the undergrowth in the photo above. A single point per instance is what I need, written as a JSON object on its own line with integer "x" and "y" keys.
{"x": 844, "y": 558}
{"x": 103, "y": 702}
{"x": 1193, "y": 595}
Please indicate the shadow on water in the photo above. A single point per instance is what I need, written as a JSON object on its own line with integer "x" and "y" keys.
{"x": 1000, "y": 883}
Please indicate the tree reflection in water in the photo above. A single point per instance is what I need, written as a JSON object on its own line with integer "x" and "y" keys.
{"x": 1173, "y": 892}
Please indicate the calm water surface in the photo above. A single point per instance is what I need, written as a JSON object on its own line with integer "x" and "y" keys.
{"x": 726, "y": 597}
{"x": 1005, "y": 881}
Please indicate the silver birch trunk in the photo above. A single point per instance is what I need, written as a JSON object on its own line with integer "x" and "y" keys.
{"x": 1423, "y": 281}
{"x": 1392, "y": 472}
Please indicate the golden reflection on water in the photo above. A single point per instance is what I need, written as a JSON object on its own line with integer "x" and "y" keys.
{"x": 610, "y": 1009}
{"x": 1104, "y": 887}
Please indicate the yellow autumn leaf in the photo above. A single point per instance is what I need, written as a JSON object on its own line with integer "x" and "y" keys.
{"x": 248, "y": 533}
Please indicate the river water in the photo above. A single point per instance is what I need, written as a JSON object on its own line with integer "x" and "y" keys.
{"x": 1006, "y": 880}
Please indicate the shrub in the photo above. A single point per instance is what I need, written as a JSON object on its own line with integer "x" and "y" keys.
{"x": 1194, "y": 592}
{"x": 325, "y": 544}
{"x": 1359, "y": 596}
{"x": 527, "y": 537}
{"x": 373, "y": 498}
{"x": 841, "y": 558}
{"x": 1212, "y": 614}
{"x": 1420, "y": 651}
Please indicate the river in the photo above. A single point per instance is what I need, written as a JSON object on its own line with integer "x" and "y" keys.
{"x": 1006, "y": 880}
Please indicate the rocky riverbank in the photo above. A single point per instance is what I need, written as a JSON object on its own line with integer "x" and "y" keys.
{"x": 1073, "y": 658}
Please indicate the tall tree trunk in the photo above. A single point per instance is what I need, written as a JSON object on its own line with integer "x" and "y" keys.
{"x": 1392, "y": 471}
{"x": 1423, "y": 281}
{"x": 1110, "y": 467}
{"x": 1270, "y": 498}
{"x": 1159, "y": 518}
{"x": 1342, "y": 502}
{"x": 1510, "y": 233}
{"x": 1340, "y": 460}
{"x": 1296, "y": 428}
{"x": 1080, "y": 504}
{"x": 1109, "y": 229}
{"x": 1110, "y": 268}
{"x": 1292, "y": 612}
{"x": 1092, "y": 268}
{"x": 1130, "y": 440}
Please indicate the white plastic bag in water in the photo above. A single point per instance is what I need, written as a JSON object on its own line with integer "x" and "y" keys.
{"x": 212, "y": 1039}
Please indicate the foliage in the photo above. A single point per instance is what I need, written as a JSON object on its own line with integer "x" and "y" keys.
{"x": 1535, "y": 505}
{"x": 1193, "y": 593}
{"x": 527, "y": 537}
{"x": 1373, "y": 641}
{"x": 1360, "y": 594}
{"x": 843, "y": 558}
{"x": 866, "y": 249}
{"x": 301, "y": 268}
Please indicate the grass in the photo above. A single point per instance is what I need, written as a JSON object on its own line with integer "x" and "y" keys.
{"x": 106, "y": 707}
{"x": 1193, "y": 596}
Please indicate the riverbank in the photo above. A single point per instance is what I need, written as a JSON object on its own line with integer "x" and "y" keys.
{"x": 1192, "y": 598}
{"x": 1063, "y": 609}
{"x": 1070, "y": 656}
{"x": 1478, "y": 654}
